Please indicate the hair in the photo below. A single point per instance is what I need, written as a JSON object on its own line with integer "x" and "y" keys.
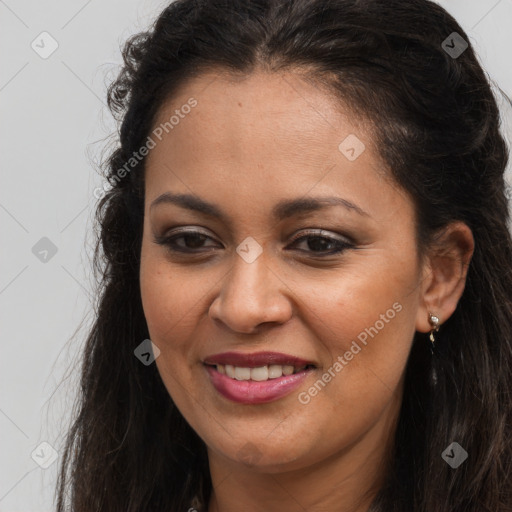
{"x": 437, "y": 128}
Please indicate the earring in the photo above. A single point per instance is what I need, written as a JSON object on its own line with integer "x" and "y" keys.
{"x": 434, "y": 322}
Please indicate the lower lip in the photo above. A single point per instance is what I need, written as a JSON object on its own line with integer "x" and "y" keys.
{"x": 255, "y": 392}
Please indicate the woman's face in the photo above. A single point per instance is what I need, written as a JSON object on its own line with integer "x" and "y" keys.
{"x": 259, "y": 277}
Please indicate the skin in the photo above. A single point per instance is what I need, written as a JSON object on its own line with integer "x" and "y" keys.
{"x": 248, "y": 144}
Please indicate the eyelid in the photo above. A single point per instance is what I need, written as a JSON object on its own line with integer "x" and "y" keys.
{"x": 188, "y": 229}
{"x": 176, "y": 233}
{"x": 322, "y": 233}
{"x": 343, "y": 243}
{"x": 298, "y": 235}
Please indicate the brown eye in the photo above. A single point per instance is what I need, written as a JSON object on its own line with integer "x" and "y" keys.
{"x": 192, "y": 241}
{"x": 317, "y": 242}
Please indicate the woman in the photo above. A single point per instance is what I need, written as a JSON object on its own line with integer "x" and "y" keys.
{"x": 306, "y": 298}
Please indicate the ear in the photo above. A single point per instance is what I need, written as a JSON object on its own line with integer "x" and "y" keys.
{"x": 444, "y": 274}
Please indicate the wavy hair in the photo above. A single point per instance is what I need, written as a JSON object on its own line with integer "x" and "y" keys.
{"x": 436, "y": 126}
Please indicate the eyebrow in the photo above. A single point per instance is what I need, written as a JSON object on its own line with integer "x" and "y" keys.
{"x": 282, "y": 210}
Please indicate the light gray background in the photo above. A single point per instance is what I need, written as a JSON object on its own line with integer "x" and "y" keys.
{"x": 53, "y": 120}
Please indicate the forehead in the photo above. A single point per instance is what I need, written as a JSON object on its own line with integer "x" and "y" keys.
{"x": 283, "y": 111}
{"x": 262, "y": 137}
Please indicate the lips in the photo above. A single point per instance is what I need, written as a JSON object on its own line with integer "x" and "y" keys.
{"x": 256, "y": 378}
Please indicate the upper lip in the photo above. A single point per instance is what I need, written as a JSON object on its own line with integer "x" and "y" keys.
{"x": 256, "y": 359}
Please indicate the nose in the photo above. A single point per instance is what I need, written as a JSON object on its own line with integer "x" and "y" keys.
{"x": 251, "y": 294}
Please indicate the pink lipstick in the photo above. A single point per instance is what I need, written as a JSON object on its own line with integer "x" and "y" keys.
{"x": 256, "y": 378}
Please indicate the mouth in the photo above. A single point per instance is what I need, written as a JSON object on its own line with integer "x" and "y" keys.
{"x": 258, "y": 366}
{"x": 260, "y": 373}
{"x": 256, "y": 378}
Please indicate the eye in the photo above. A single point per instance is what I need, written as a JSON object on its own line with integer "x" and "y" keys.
{"x": 193, "y": 240}
{"x": 316, "y": 241}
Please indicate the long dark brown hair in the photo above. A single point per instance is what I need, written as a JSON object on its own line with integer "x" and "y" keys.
{"x": 437, "y": 127}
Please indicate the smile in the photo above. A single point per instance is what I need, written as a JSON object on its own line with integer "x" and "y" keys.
{"x": 259, "y": 374}
{"x": 256, "y": 378}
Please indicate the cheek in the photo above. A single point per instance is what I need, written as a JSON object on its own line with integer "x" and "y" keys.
{"x": 367, "y": 339}
{"x": 173, "y": 300}
{"x": 375, "y": 299}
{"x": 157, "y": 298}
{"x": 167, "y": 304}
{"x": 168, "y": 298}
{"x": 364, "y": 324}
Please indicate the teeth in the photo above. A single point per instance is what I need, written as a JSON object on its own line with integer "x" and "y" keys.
{"x": 288, "y": 370}
{"x": 262, "y": 373}
{"x": 259, "y": 373}
{"x": 275, "y": 371}
{"x": 242, "y": 373}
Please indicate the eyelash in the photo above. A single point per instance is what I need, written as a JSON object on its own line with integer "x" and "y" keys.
{"x": 169, "y": 242}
